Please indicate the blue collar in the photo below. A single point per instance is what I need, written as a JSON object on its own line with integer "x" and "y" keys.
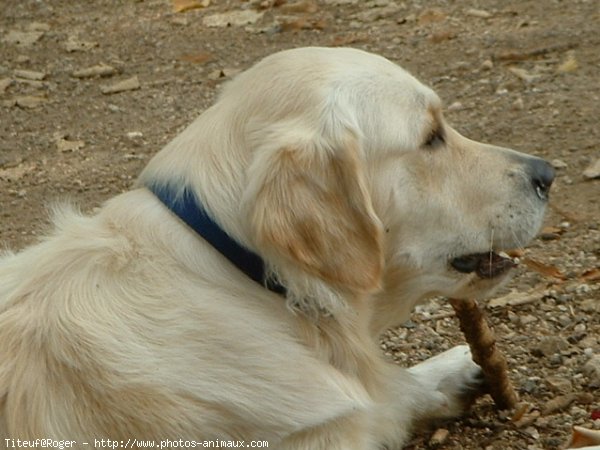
{"x": 188, "y": 208}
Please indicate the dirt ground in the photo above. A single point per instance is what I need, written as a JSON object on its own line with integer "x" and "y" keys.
{"x": 523, "y": 74}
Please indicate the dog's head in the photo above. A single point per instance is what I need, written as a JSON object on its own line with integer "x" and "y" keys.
{"x": 338, "y": 167}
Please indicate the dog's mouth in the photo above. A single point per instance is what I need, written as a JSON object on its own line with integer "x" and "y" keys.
{"x": 485, "y": 265}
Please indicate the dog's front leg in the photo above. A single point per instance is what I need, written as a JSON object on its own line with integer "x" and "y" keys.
{"x": 452, "y": 379}
{"x": 439, "y": 388}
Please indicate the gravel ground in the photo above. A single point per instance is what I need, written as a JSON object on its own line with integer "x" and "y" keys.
{"x": 90, "y": 90}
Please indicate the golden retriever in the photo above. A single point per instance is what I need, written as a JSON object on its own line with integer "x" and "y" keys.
{"x": 237, "y": 293}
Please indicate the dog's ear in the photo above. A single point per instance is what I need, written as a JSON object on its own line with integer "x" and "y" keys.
{"x": 312, "y": 210}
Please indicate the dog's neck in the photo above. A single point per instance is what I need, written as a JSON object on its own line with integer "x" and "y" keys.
{"x": 188, "y": 208}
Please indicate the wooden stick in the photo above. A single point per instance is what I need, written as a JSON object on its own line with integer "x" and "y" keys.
{"x": 482, "y": 342}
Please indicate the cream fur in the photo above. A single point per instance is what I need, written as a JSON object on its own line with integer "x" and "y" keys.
{"x": 126, "y": 324}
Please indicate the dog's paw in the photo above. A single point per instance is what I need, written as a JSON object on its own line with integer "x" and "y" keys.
{"x": 452, "y": 380}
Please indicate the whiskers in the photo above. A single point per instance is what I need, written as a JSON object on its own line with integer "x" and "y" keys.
{"x": 519, "y": 241}
{"x": 491, "y": 250}
{"x": 506, "y": 245}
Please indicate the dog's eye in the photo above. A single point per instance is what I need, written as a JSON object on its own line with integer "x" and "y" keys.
{"x": 435, "y": 139}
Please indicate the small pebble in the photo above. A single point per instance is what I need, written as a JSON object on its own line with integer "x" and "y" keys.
{"x": 593, "y": 171}
{"x": 559, "y": 164}
{"x": 533, "y": 432}
{"x": 456, "y": 106}
{"x": 550, "y": 345}
{"x": 487, "y": 64}
{"x": 558, "y": 384}
{"x": 518, "y": 104}
{"x": 134, "y": 134}
{"x": 527, "y": 319}
{"x": 439, "y": 437}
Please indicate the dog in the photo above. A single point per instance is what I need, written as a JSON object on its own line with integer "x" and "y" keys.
{"x": 238, "y": 291}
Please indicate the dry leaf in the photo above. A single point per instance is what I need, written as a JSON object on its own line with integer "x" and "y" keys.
{"x": 520, "y": 410}
{"x": 522, "y": 55}
{"x": 563, "y": 401}
{"x": 23, "y": 38}
{"x": 187, "y": 5}
{"x": 303, "y": 23}
{"x": 527, "y": 419}
{"x": 569, "y": 65}
{"x": 233, "y": 18}
{"x": 196, "y": 58}
{"x": 266, "y": 4}
{"x": 544, "y": 269}
{"x": 550, "y": 233}
{"x": 515, "y": 298}
{"x": 15, "y": 173}
{"x": 431, "y": 16}
{"x": 130, "y": 84}
{"x": 30, "y": 101}
{"x": 441, "y": 36}
{"x": 522, "y": 74}
{"x": 74, "y": 44}
{"x": 29, "y": 74}
{"x": 591, "y": 274}
{"x": 479, "y": 13}
{"x": 38, "y": 26}
{"x": 302, "y": 6}
{"x": 558, "y": 403}
{"x": 64, "y": 145}
{"x": 552, "y": 230}
{"x": 99, "y": 70}
{"x": 583, "y": 437}
{"x": 345, "y": 40}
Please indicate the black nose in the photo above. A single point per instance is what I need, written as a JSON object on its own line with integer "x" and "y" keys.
{"x": 542, "y": 176}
